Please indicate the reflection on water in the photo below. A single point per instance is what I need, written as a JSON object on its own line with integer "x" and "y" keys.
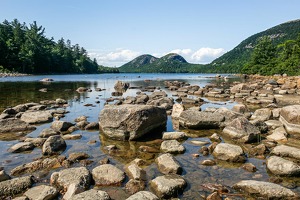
{"x": 18, "y": 90}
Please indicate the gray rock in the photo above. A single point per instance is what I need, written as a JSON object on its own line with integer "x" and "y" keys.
{"x": 167, "y": 164}
{"x": 37, "y": 117}
{"x": 72, "y": 136}
{"x": 290, "y": 117}
{"x": 38, "y": 142}
{"x": 108, "y": 174}
{"x": 60, "y": 126}
{"x": 4, "y": 176}
{"x": 229, "y": 152}
{"x": 286, "y": 151}
{"x": 143, "y": 195}
{"x": 20, "y": 147}
{"x": 15, "y": 186}
{"x": 135, "y": 172}
{"x": 240, "y": 108}
{"x": 168, "y": 186}
{"x": 54, "y": 145}
{"x": 82, "y": 124}
{"x": 282, "y": 167}
{"x": 20, "y": 198}
{"x": 134, "y": 186}
{"x": 208, "y": 162}
{"x": 262, "y": 114}
{"x": 172, "y": 146}
{"x": 278, "y": 135}
{"x": 242, "y": 130}
{"x": 130, "y": 122}
{"x": 79, "y": 176}
{"x": 91, "y": 194}
{"x": 92, "y": 126}
{"x": 273, "y": 124}
{"x": 47, "y": 132}
{"x": 196, "y": 119}
{"x": 177, "y": 110}
{"x": 14, "y": 125}
{"x": 265, "y": 190}
{"x": 76, "y": 156}
{"x": 228, "y": 114}
{"x": 34, "y": 166}
{"x": 41, "y": 192}
{"x": 173, "y": 135}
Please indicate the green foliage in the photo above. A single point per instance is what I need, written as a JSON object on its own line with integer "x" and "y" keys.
{"x": 26, "y": 49}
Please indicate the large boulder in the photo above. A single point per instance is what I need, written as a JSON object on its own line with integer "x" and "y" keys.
{"x": 228, "y": 114}
{"x": 130, "y": 122}
{"x": 286, "y": 151}
{"x": 229, "y": 152}
{"x": 143, "y": 195}
{"x": 14, "y": 125}
{"x": 91, "y": 194}
{"x": 290, "y": 117}
{"x": 15, "y": 186}
{"x": 41, "y": 192}
{"x": 37, "y": 117}
{"x": 108, "y": 174}
{"x": 54, "y": 145}
{"x": 265, "y": 190}
{"x": 282, "y": 167}
{"x": 79, "y": 176}
{"x": 168, "y": 186}
{"x": 167, "y": 164}
{"x": 242, "y": 130}
{"x": 196, "y": 119}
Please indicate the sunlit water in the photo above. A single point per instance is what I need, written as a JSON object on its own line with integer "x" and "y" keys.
{"x": 18, "y": 90}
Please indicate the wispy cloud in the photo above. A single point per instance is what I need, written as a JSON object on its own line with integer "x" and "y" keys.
{"x": 120, "y": 56}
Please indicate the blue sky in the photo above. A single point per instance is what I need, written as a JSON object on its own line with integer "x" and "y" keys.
{"x": 116, "y": 31}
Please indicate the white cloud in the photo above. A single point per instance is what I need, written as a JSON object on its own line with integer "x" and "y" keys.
{"x": 206, "y": 55}
{"x": 183, "y": 52}
{"x": 113, "y": 58}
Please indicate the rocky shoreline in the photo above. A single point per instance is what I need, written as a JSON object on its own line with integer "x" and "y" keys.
{"x": 2, "y": 75}
{"x": 261, "y": 124}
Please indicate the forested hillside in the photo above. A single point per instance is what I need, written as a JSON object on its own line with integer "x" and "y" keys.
{"x": 236, "y": 59}
{"x": 26, "y": 49}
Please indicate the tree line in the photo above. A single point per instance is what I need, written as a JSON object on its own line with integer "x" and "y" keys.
{"x": 26, "y": 49}
{"x": 268, "y": 58}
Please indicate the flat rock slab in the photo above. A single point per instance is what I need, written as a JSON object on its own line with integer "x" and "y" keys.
{"x": 286, "y": 151}
{"x": 172, "y": 146}
{"x": 167, "y": 164}
{"x": 282, "y": 167}
{"x": 130, "y": 122}
{"x": 79, "y": 176}
{"x": 143, "y": 195}
{"x": 15, "y": 186}
{"x": 108, "y": 174}
{"x": 265, "y": 190}
{"x": 196, "y": 119}
{"x": 37, "y": 117}
{"x": 229, "y": 152}
{"x": 20, "y": 147}
{"x": 242, "y": 130}
{"x": 14, "y": 125}
{"x": 41, "y": 192}
{"x": 168, "y": 186}
{"x": 173, "y": 135}
{"x": 91, "y": 195}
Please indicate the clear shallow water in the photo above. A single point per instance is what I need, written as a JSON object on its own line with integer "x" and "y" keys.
{"x": 18, "y": 90}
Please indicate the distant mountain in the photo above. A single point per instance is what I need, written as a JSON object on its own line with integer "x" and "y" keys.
{"x": 234, "y": 60}
{"x": 170, "y": 63}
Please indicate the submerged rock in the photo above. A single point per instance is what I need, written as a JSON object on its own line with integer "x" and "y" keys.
{"x": 130, "y": 122}
{"x": 265, "y": 190}
{"x": 134, "y": 186}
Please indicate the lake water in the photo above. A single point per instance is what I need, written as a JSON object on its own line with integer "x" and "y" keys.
{"x": 18, "y": 90}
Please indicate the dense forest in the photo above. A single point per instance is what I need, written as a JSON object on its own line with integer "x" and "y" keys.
{"x": 26, "y": 49}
